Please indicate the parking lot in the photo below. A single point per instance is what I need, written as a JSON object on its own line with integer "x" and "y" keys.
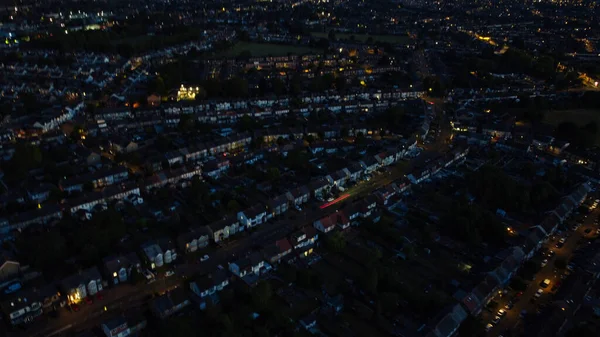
{"x": 516, "y": 305}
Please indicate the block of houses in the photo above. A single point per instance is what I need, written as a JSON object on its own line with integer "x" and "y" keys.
{"x": 224, "y": 228}
{"x": 193, "y": 239}
{"x": 42, "y": 216}
{"x": 170, "y": 303}
{"x": 21, "y": 308}
{"x": 216, "y": 168}
{"x": 278, "y": 205}
{"x": 298, "y": 196}
{"x": 118, "y": 268}
{"x": 252, "y": 216}
{"x": 78, "y": 286}
{"x": 277, "y": 251}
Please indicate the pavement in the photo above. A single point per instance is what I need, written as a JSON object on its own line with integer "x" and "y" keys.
{"x": 512, "y": 322}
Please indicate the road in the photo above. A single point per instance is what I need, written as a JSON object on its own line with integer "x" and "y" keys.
{"x": 511, "y": 322}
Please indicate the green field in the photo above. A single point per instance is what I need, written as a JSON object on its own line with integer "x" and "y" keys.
{"x": 363, "y": 37}
{"x": 266, "y": 49}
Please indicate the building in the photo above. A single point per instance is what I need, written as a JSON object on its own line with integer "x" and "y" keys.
{"x": 81, "y": 285}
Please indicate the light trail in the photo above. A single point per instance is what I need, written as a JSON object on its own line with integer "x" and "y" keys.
{"x": 335, "y": 201}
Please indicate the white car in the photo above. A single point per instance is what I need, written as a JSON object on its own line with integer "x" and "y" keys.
{"x": 539, "y": 293}
{"x": 544, "y": 263}
{"x": 169, "y": 273}
{"x": 489, "y": 327}
{"x": 204, "y": 258}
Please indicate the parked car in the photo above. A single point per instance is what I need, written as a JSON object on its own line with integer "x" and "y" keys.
{"x": 544, "y": 262}
{"x": 539, "y": 293}
{"x": 489, "y": 327}
{"x": 509, "y": 305}
{"x": 501, "y": 312}
{"x": 496, "y": 319}
{"x": 550, "y": 253}
{"x": 169, "y": 273}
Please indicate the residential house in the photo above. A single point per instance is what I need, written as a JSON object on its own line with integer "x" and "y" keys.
{"x": 318, "y": 188}
{"x": 338, "y": 178}
{"x": 253, "y": 216}
{"x": 509, "y": 266}
{"x": 81, "y": 285}
{"x": 275, "y": 252}
{"x": 115, "y": 327}
{"x": 369, "y": 165}
{"x": 304, "y": 240}
{"x": 250, "y": 265}
{"x": 170, "y": 303}
{"x": 224, "y": 228}
{"x": 327, "y": 223}
{"x": 153, "y": 255}
{"x": 9, "y": 267}
{"x": 118, "y": 268}
{"x": 299, "y": 195}
{"x": 354, "y": 172}
{"x": 278, "y": 205}
{"x": 194, "y": 239}
{"x": 419, "y": 175}
{"x": 480, "y": 296}
{"x": 206, "y": 285}
{"x": 449, "y": 323}
{"x": 385, "y": 158}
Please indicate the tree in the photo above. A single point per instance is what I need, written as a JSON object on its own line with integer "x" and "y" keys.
{"x": 233, "y": 206}
{"x": 331, "y": 35}
{"x": 261, "y": 294}
{"x": 471, "y": 327}
{"x": 434, "y": 86}
{"x": 273, "y": 173}
{"x": 371, "y": 280}
{"x": 560, "y": 263}
{"x": 336, "y": 242}
{"x": 186, "y": 123}
{"x": 247, "y": 123}
{"x": 136, "y": 278}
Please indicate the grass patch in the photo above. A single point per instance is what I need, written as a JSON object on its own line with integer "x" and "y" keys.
{"x": 265, "y": 49}
{"x": 393, "y": 39}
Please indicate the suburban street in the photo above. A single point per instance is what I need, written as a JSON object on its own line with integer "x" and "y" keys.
{"x": 512, "y": 322}
{"x": 127, "y": 296}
